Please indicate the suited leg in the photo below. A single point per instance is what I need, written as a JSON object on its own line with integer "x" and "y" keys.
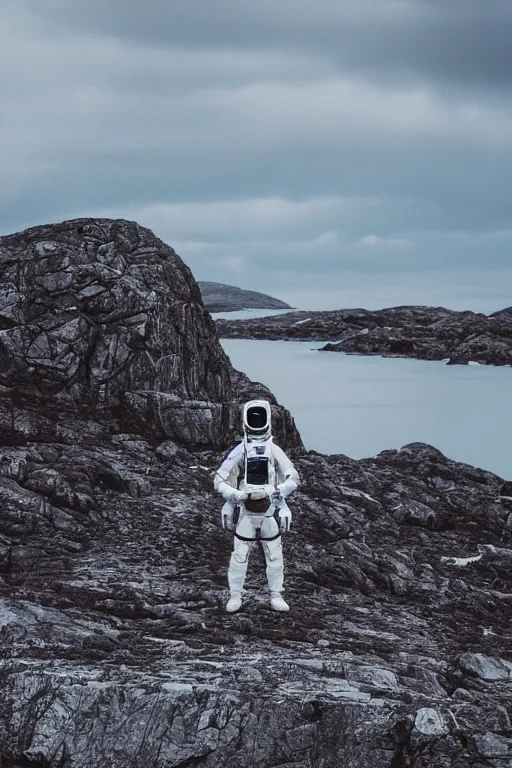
{"x": 240, "y": 557}
{"x": 273, "y": 556}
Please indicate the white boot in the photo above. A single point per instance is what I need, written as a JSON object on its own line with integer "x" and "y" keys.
{"x": 234, "y": 603}
{"x": 277, "y": 602}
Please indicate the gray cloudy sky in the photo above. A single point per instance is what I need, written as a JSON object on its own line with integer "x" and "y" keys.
{"x": 331, "y": 152}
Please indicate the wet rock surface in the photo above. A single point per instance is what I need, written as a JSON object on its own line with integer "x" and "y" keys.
{"x": 427, "y": 333}
{"x": 218, "y": 297}
{"x": 115, "y": 649}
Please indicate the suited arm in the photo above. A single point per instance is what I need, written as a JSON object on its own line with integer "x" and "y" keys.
{"x": 221, "y": 479}
{"x": 288, "y": 471}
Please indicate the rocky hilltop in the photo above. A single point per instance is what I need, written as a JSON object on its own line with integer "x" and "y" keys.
{"x": 218, "y": 297}
{"x": 102, "y": 317}
{"x": 427, "y": 333}
{"x": 115, "y": 649}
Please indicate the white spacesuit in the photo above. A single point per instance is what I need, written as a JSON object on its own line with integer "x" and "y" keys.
{"x": 256, "y": 476}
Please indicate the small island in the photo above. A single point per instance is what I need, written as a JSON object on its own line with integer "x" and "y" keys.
{"x": 218, "y": 297}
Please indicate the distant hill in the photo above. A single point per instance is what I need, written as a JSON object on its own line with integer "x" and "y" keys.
{"x": 218, "y": 297}
{"x": 503, "y": 314}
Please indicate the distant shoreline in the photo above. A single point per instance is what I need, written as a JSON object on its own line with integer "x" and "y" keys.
{"x": 424, "y": 333}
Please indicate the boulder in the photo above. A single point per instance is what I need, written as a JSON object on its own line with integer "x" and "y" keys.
{"x": 486, "y": 668}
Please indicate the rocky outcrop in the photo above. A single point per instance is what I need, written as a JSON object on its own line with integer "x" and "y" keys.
{"x": 101, "y": 315}
{"x": 115, "y": 649}
{"x": 218, "y": 297}
{"x": 427, "y": 333}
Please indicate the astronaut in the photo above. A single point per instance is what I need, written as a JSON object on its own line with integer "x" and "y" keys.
{"x": 256, "y": 476}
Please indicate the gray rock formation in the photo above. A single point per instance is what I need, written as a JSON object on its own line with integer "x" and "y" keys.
{"x": 115, "y": 649}
{"x": 427, "y": 333}
{"x": 101, "y": 314}
{"x": 218, "y": 297}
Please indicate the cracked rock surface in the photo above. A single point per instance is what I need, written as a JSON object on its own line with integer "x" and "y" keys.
{"x": 101, "y": 314}
{"x": 115, "y": 649}
{"x": 427, "y": 333}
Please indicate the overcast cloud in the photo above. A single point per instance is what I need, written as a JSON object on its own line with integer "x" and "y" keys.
{"x": 326, "y": 151}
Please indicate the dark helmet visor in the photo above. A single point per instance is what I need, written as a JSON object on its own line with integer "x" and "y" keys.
{"x": 257, "y": 418}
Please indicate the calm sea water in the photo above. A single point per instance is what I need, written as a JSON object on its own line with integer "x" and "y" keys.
{"x": 248, "y": 314}
{"x": 361, "y": 405}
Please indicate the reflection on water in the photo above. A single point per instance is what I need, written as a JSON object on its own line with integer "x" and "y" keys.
{"x": 361, "y": 405}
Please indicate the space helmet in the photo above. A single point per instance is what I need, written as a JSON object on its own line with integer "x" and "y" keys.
{"x": 257, "y": 420}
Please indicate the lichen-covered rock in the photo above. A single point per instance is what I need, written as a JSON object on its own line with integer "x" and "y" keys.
{"x": 429, "y": 722}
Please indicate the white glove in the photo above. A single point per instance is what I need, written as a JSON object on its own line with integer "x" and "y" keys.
{"x": 276, "y": 499}
{"x": 238, "y": 496}
{"x": 226, "y": 516}
{"x": 285, "y": 520}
